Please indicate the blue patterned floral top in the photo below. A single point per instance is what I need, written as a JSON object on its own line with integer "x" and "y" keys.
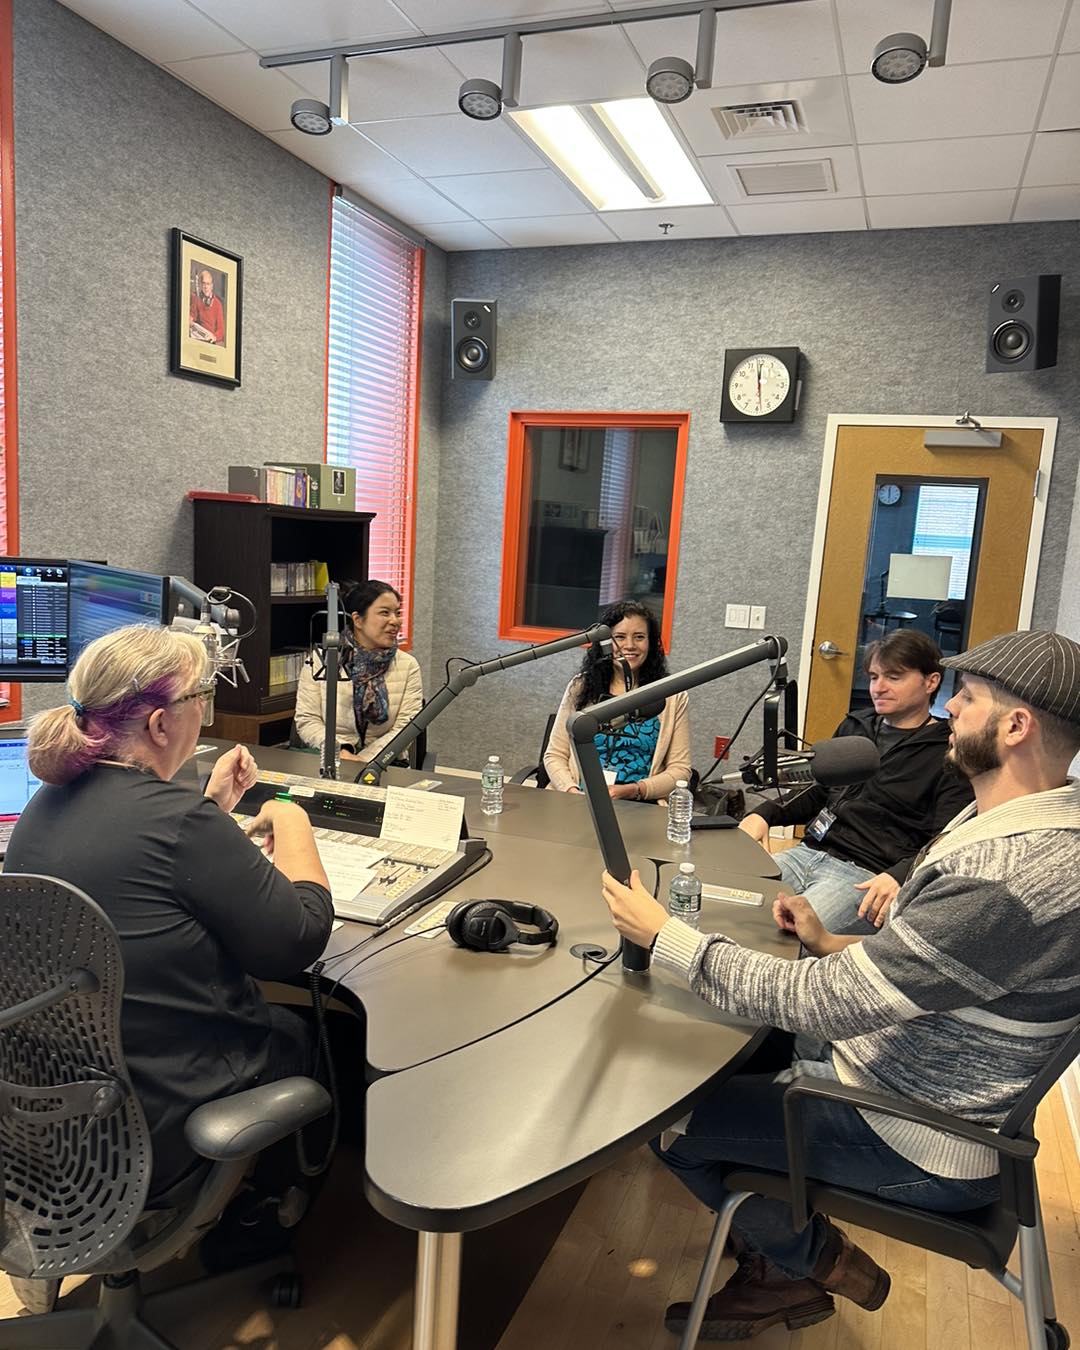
{"x": 629, "y": 752}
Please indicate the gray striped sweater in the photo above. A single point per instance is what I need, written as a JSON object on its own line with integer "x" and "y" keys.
{"x": 958, "y": 1000}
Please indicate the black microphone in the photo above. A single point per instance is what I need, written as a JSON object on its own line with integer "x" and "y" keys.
{"x": 642, "y": 715}
{"x": 833, "y": 763}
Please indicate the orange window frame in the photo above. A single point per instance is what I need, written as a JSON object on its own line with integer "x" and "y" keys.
{"x": 9, "y": 464}
{"x": 516, "y": 511}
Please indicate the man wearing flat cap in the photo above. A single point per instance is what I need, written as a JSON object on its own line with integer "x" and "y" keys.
{"x": 956, "y": 1003}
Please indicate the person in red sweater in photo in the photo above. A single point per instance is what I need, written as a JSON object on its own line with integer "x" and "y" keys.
{"x": 206, "y": 316}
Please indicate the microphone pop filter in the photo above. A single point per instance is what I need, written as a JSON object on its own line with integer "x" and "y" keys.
{"x": 845, "y": 759}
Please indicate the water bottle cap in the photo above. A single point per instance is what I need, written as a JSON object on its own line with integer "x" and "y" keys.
{"x": 681, "y": 783}
{"x": 493, "y": 759}
{"x": 686, "y": 868}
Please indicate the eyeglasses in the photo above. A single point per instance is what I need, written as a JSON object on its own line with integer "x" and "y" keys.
{"x": 204, "y": 691}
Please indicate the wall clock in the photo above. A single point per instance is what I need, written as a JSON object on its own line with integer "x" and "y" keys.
{"x": 760, "y": 384}
{"x": 888, "y": 494}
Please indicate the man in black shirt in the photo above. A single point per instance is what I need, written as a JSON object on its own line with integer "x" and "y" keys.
{"x": 861, "y": 840}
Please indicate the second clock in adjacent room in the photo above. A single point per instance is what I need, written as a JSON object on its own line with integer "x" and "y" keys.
{"x": 760, "y": 384}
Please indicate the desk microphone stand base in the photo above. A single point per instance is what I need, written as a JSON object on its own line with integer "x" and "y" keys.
{"x": 438, "y": 1280}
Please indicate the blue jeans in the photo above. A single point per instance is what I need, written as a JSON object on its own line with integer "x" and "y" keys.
{"x": 743, "y": 1123}
{"x": 829, "y": 884}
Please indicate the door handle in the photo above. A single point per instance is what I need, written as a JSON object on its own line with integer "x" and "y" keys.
{"x": 830, "y": 651}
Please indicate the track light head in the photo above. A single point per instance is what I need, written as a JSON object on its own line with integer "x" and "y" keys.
{"x": 898, "y": 58}
{"x": 670, "y": 80}
{"x": 311, "y": 117}
{"x": 480, "y": 99}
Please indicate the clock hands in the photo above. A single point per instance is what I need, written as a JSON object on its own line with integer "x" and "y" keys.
{"x": 759, "y": 384}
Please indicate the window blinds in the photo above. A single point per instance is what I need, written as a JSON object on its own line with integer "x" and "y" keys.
{"x": 372, "y": 382}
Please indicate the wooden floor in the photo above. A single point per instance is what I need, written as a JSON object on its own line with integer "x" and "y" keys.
{"x": 634, "y": 1242}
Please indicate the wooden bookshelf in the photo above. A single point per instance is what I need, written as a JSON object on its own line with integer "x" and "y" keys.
{"x": 235, "y": 543}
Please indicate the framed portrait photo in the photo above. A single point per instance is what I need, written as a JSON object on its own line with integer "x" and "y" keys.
{"x": 205, "y": 311}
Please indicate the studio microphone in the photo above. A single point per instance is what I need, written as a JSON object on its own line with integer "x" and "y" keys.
{"x": 833, "y": 763}
{"x": 217, "y": 627}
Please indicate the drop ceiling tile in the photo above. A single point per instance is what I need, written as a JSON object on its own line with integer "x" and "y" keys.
{"x": 1055, "y": 158}
{"x": 979, "y": 30}
{"x": 688, "y": 222}
{"x": 719, "y": 171}
{"x": 1062, "y": 110}
{"x": 1070, "y": 41}
{"x": 410, "y": 199}
{"x": 983, "y": 100}
{"x": 575, "y": 67}
{"x": 447, "y": 16}
{"x": 799, "y": 217}
{"x": 777, "y": 42}
{"x": 553, "y": 230}
{"x": 397, "y": 84}
{"x": 965, "y": 164}
{"x": 468, "y": 234}
{"x": 940, "y": 208}
{"x": 160, "y": 30}
{"x": 269, "y": 26}
{"x": 345, "y": 156}
{"x": 821, "y": 103}
{"x": 452, "y": 144}
{"x": 527, "y": 192}
{"x": 262, "y": 98}
{"x": 1048, "y": 203}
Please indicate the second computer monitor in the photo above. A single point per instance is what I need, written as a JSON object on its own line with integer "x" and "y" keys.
{"x": 101, "y": 599}
{"x": 33, "y": 619}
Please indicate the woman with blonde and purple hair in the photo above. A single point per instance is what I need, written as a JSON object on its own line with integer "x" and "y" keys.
{"x": 200, "y": 911}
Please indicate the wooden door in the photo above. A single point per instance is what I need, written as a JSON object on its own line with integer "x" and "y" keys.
{"x": 864, "y": 456}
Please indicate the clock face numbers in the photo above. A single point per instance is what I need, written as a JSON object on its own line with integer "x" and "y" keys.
{"x": 759, "y": 385}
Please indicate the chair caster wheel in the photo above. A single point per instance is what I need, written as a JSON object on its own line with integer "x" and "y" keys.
{"x": 286, "y": 1291}
{"x": 1057, "y": 1338}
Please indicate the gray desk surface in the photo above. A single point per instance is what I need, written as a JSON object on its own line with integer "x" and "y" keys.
{"x": 547, "y": 1102}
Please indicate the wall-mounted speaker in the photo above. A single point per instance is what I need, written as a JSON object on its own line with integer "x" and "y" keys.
{"x": 472, "y": 339}
{"x": 1022, "y": 328}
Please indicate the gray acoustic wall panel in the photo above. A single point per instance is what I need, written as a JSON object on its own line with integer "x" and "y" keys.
{"x": 432, "y": 355}
{"x": 111, "y": 153}
{"x": 889, "y": 322}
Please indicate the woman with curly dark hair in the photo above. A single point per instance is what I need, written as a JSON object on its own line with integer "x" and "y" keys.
{"x": 645, "y": 759}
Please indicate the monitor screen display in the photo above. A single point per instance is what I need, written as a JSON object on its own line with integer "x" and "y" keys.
{"x": 103, "y": 598}
{"x": 17, "y": 783}
{"x": 33, "y": 619}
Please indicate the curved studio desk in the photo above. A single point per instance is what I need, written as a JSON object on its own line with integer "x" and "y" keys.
{"x": 498, "y": 1081}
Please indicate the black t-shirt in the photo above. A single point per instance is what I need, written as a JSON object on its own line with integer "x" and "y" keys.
{"x": 200, "y": 912}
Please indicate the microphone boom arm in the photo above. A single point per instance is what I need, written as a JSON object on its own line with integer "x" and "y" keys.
{"x": 584, "y": 725}
{"x": 373, "y": 771}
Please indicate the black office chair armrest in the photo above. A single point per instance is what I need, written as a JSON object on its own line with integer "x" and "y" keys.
{"x": 240, "y": 1126}
{"x": 523, "y": 775}
{"x": 1020, "y": 1150}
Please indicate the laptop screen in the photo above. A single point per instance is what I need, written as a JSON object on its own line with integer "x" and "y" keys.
{"x": 17, "y": 783}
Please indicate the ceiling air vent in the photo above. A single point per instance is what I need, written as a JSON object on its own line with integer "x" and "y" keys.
{"x": 773, "y": 180}
{"x": 743, "y": 120}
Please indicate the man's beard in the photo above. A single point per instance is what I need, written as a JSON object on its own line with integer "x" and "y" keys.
{"x": 976, "y": 753}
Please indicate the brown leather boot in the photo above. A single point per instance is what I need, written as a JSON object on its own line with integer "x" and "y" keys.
{"x": 756, "y": 1297}
{"x": 847, "y": 1270}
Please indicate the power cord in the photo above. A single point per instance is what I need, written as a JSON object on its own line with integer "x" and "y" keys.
{"x": 745, "y": 718}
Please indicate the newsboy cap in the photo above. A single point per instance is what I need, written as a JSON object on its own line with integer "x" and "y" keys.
{"x": 1041, "y": 669}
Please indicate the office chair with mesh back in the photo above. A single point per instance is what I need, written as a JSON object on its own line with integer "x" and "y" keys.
{"x": 982, "y": 1238}
{"x": 74, "y": 1146}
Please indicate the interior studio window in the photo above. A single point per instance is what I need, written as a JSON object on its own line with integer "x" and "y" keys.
{"x": 593, "y": 504}
{"x": 376, "y": 280}
{"x": 10, "y": 704}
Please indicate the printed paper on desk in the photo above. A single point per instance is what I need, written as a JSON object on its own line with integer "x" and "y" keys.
{"x": 424, "y": 818}
{"x": 347, "y": 868}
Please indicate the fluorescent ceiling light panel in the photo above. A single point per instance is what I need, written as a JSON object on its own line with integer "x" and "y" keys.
{"x": 573, "y": 147}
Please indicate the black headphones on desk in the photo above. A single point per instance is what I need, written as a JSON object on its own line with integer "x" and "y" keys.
{"x": 492, "y": 925}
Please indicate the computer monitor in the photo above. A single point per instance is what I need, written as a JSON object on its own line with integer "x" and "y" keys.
{"x": 101, "y": 599}
{"x": 33, "y": 620}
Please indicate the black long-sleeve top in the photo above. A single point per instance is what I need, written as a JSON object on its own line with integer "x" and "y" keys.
{"x": 201, "y": 914}
{"x": 883, "y": 823}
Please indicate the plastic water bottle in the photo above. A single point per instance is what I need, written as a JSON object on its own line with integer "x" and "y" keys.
{"x": 491, "y": 787}
{"x": 680, "y": 807}
{"x": 684, "y": 897}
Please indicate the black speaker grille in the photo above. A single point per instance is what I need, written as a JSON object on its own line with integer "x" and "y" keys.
{"x": 1011, "y": 341}
{"x": 472, "y": 353}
